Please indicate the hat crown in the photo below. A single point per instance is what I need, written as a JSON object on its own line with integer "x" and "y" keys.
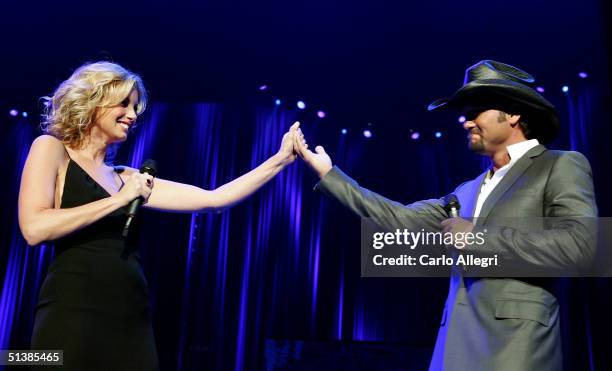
{"x": 492, "y": 70}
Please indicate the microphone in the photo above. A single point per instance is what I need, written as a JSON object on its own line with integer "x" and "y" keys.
{"x": 451, "y": 205}
{"x": 148, "y": 167}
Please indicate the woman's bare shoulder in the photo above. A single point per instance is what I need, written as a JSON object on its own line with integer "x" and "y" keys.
{"x": 49, "y": 148}
{"x": 48, "y": 142}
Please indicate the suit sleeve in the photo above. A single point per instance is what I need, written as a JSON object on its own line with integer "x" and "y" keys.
{"x": 387, "y": 213}
{"x": 568, "y": 242}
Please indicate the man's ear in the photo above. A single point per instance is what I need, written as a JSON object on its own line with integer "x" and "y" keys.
{"x": 513, "y": 119}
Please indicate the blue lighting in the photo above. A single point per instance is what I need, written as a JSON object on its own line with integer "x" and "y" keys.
{"x": 263, "y": 87}
{"x": 277, "y": 102}
{"x": 462, "y": 119}
{"x": 565, "y": 89}
{"x": 367, "y": 134}
{"x": 583, "y": 75}
{"x": 301, "y": 104}
{"x": 344, "y": 131}
{"x": 438, "y": 134}
{"x": 24, "y": 114}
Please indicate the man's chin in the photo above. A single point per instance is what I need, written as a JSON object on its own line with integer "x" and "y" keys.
{"x": 476, "y": 147}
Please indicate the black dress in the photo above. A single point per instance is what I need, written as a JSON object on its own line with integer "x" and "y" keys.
{"x": 93, "y": 303}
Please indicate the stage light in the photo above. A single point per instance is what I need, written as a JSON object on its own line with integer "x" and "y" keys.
{"x": 540, "y": 89}
{"x": 344, "y": 131}
{"x": 13, "y": 112}
{"x": 583, "y": 75}
{"x": 438, "y": 134}
{"x": 24, "y": 114}
{"x": 277, "y": 102}
{"x": 462, "y": 119}
{"x": 321, "y": 114}
{"x": 415, "y": 136}
{"x": 565, "y": 89}
{"x": 367, "y": 134}
{"x": 263, "y": 87}
{"x": 301, "y": 104}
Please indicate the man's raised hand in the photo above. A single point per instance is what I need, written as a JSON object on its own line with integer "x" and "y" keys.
{"x": 318, "y": 161}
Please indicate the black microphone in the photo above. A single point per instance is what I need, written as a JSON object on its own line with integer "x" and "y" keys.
{"x": 148, "y": 167}
{"x": 451, "y": 205}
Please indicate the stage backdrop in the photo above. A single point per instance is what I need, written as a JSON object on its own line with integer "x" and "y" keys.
{"x": 284, "y": 265}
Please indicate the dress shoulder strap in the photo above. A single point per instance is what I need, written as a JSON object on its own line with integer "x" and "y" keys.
{"x": 118, "y": 170}
{"x": 66, "y": 150}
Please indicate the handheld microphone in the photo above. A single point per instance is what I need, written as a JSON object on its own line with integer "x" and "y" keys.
{"x": 451, "y": 205}
{"x": 148, "y": 167}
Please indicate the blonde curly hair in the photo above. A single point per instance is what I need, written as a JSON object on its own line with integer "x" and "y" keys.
{"x": 73, "y": 108}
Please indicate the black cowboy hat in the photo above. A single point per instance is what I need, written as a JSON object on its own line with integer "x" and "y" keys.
{"x": 494, "y": 85}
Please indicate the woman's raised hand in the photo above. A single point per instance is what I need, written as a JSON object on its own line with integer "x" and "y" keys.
{"x": 287, "y": 152}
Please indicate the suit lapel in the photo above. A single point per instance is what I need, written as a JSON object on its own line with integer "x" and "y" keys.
{"x": 468, "y": 195}
{"x": 509, "y": 179}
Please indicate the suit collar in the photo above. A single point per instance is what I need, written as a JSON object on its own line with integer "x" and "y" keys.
{"x": 535, "y": 151}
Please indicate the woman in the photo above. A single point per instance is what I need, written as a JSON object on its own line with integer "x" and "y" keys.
{"x": 93, "y": 303}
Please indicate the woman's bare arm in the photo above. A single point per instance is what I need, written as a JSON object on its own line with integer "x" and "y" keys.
{"x": 178, "y": 197}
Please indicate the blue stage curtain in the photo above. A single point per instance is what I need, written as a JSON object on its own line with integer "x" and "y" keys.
{"x": 284, "y": 264}
{"x": 21, "y": 267}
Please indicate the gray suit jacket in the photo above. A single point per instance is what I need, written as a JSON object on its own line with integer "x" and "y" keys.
{"x": 500, "y": 323}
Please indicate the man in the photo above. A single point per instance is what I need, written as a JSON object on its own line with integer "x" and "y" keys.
{"x": 496, "y": 323}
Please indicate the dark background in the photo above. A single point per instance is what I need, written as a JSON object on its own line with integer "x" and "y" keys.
{"x": 373, "y": 65}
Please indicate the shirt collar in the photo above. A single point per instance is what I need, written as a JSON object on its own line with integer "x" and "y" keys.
{"x": 517, "y": 150}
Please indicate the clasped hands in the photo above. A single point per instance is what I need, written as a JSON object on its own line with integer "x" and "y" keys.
{"x": 294, "y": 145}
{"x": 320, "y": 162}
